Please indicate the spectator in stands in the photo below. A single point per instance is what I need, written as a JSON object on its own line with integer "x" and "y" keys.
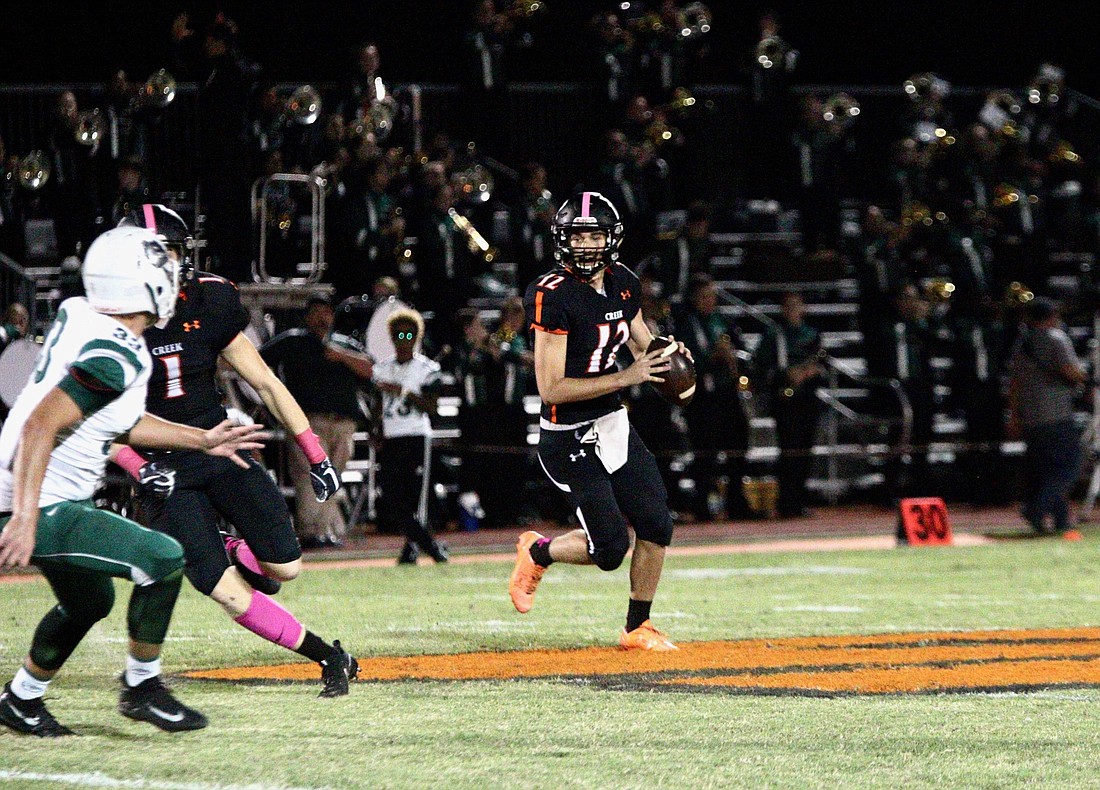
{"x": 614, "y": 62}
{"x": 789, "y": 363}
{"x": 902, "y": 349}
{"x": 529, "y": 225}
{"x": 370, "y": 228}
{"x": 73, "y": 188}
{"x": 772, "y": 115}
{"x": 977, "y": 392}
{"x": 11, "y": 222}
{"x": 227, "y": 80}
{"x": 621, "y": 179}
{"x": 410, "y": 384}
{"x": 15, "y": 324}
{"x": 716, "y": 419}
{"x": 819, "y": 149}
{"x": 681, "y": 255}
{"x": 1045, "y": 377}
{"x": 131, "y": 189}
{"x": 323, "y": 371}
{"x": 442, "y": 264}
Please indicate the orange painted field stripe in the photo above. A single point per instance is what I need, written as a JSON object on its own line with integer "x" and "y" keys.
{"x": 804, "y": 655}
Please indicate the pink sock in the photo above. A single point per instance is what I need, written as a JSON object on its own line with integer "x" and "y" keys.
{"x": 240, "y": 552}
{"x": 274, "y": 623}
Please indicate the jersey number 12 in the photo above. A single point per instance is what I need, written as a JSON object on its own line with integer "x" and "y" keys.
{"x": 620, "y": 334}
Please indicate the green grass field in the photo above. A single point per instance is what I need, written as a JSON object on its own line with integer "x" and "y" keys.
{"x": 567, "y": 733}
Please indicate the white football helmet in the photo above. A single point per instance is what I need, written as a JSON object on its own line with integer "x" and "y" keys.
{"x": 128, "y": 270}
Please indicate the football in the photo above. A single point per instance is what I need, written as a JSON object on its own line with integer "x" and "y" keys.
{"x": 678, "y": 386}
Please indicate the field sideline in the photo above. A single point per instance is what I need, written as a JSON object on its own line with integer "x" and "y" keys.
{"x": 554, "y": 706}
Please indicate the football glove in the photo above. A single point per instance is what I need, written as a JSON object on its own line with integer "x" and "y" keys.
{"x": 324, "y": 479}
{"x": 156, "y": 480}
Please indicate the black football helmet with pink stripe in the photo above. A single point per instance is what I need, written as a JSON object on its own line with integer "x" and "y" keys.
{"x": 170, "y": 228}
{"x": 587, "y": 211}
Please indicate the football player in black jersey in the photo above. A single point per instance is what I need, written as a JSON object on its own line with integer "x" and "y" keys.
{"x": 582, "y": 312}
{"x": 182, "y": 494}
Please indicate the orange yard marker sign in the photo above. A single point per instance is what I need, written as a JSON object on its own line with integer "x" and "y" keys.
{"x": 922, "y": 521}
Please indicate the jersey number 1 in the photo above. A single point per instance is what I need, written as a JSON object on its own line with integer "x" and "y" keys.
{"x": 621, "y": 334}
{"x": 173, "y": 385}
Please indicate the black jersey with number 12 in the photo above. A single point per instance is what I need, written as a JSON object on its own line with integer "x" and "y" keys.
{"x": 597, "y": 325}
{"x": 184, "y": 387}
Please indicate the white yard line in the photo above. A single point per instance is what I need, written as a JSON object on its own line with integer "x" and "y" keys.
{"x": 97, "y": 779}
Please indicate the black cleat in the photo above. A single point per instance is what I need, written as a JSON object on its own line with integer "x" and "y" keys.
{"x": 439, "y": 551}
{"x": 151, "y": 701}
{"x": 257, "y": 581}
{"x": 337, "y": 671}
{"x": 410, "y": 552}
{"x": 29, "y": 716}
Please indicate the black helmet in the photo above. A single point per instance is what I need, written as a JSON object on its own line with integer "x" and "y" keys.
{"x": 170, "y": 228}
{"x": 587, "y": 211}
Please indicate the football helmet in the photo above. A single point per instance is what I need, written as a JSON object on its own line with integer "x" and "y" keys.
{"x": 169, "y": 228}
{"x": 129, "y": 270}
{"x": 587, "y": 211}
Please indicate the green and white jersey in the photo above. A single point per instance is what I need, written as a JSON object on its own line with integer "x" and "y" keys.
{"x": 105, "y": 368}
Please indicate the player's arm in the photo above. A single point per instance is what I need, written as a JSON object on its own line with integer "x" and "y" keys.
{"x": 555, "y": 387}
{"x": 224, "y": 439}
{"x": 56, "y": 412}
{"x": 246, "y": 360}
{"x": 359, "y": 364}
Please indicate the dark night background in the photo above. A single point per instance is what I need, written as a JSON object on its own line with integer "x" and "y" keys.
{"x": 982, "y": 43}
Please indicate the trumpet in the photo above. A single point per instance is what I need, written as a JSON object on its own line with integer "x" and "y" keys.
{"x": 33, "y": 171}
{"x": 90, "y": 127}
{"x": 158, "y": 91}
{"x": 696, "y": 21}
{"x": 1017, "y": 294}
{"x": 840, "y": 110}
{"x": 1000, "y": 111}
{"x": 474, "y": 184}
{"x": 1044, "y": 90}
{"x": 376, "y": 115}
{"x": 303, "y": 106}
{"x": 939, "y": 290}
{"x": 926, "y": 86}
{"x": 475, "y": 242}
{"x": 681, "y": 102}
{"x": 770, "y": 52}
{"x": 502, "y": 337}
{"x": 1063, "y": 154}
{"x": 526, "y": 8}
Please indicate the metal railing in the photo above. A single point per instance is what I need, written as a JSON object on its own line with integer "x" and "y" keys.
{"x": 837, "y": 410}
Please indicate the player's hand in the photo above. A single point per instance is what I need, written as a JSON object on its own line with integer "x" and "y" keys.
{"x": 226, "y": 438}
{"x": 646, "y": 368}
{"x": 17, "y": 539}
{"x": 386, "y": 386}
{"x": 157, "y": 480}
{"x": 324, "y": 479}
{"x": 683, "y": 349}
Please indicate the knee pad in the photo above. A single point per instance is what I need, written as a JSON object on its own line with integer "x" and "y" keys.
{"x": 609, "y": 556}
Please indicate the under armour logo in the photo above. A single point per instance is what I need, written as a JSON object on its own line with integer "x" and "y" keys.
{"x": 189, "y": 325}
{"x": 574, "y": 456}
{"x": 625, "y": 294}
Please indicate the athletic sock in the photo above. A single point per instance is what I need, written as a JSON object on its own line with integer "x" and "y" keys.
{"x": 240, "y": 552}
{"x": 315, "y": 648}
{"x": 540, "y": 552}
{"x": 138, "y": 672}
{"x": 637, "y": 613}
{"x": 26, "y": 686}
{"x": 274, "y": 623}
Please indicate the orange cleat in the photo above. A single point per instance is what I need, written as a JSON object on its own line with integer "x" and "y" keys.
{"x": 526, "y": 575}
{"x": 645, "y": 637}
{"x": 1072, "y": 534}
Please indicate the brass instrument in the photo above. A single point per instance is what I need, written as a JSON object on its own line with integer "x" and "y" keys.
{"x": 770, "y": 52}
{"x": 650, "y": 24}
{"x": 1006, "y": 195}
{"x": 1000, "y": 111}
{"x": 502, "y": 338}
{"x": 33, "y": 171}
{"x": 1017, "y": 294}
{"x": 939, "y": 290}
{"x": 303, "y": 106}
{"x": 90, "y": 127}
{"x": 1063, "y": 154}
{"x": 158, "y": 91}
{"x": 681, "y": 102}
{"x": 916, "y": 214}
{"x": 377, "y": 115}
{"x": 526, "y": 8}
{"x": 475, "y": 242}
{"x": 696, "y": 18}
{"x": 926, "y": 86}
{"x": 840, "y": 110}
{"x": 474, "y": 184}
{"x": 1044, "y": 90}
